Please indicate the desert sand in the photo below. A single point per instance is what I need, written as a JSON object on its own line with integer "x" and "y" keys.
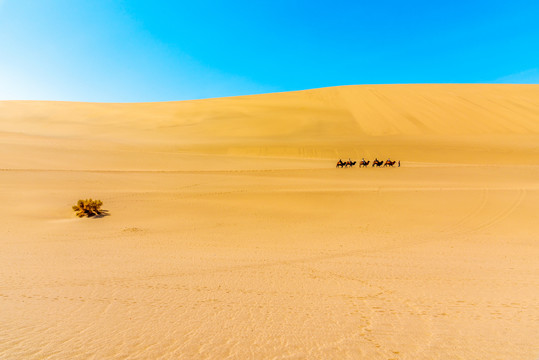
{"x": 231, "y": 234}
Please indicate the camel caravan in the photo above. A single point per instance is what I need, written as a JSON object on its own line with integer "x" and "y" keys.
{"x": 365, "y": 163}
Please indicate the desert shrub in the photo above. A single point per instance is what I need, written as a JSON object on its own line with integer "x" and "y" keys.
{"x": 88, "y": 208}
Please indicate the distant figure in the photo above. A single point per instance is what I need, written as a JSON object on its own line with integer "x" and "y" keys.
{"x": 399, "y": 163}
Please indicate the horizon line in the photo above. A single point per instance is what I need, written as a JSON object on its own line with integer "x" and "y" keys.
{"x": 258, "y": 94}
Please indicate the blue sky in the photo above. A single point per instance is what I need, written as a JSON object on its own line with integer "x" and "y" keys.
{"x": 131, "y": 51}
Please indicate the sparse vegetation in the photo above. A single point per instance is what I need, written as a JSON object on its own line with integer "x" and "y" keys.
{"x": 88, "y": 208}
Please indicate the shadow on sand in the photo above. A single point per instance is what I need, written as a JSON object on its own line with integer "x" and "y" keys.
{"x": 102, "y": 214}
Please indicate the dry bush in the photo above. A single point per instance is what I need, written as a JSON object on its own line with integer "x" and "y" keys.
{"x": 88, "y": 208}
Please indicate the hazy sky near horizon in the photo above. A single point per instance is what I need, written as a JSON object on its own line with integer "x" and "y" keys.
{"x": 132, "y": 51}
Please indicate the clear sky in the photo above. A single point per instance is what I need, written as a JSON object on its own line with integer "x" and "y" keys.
{"x": 138, "y": 50}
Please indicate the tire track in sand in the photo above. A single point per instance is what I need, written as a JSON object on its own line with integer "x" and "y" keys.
{"x": 454, "y": 228}
{"x": 463, "y": 229}
{"x": 502, "y": 215}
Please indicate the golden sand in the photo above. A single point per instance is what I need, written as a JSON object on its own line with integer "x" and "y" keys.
{"x": 232, "y": 235}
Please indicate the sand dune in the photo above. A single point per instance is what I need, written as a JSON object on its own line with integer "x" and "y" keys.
{"x": 418, "y": 123}
{"x": 231, "y": 234}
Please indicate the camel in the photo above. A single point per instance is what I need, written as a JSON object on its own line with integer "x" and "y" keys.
{"x": 364, "y": 163}
{"x": 377, "y": 163}
{"x": 389, "y": 163}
